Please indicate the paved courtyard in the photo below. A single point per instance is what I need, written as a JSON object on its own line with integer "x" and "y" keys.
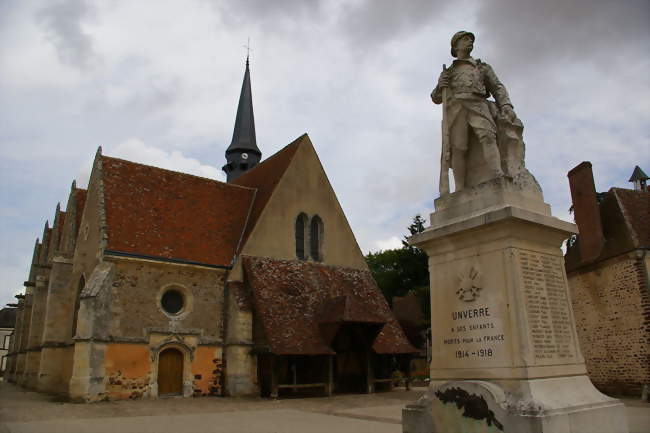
{"x": 24, "y": 411}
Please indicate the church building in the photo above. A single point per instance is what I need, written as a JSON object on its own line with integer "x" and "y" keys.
{"x": 153, "y": 282}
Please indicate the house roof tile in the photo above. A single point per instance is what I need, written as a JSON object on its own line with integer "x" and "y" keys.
{"x": 80, "y": 199}
{"x": 60, "y": 224}
{"x": 624, "y": 214}
{"x": 635, "y": 206}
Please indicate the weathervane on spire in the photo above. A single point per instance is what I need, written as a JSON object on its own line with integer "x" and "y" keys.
{"x": 248, "y": 49}
{"x": 243, "y": 153}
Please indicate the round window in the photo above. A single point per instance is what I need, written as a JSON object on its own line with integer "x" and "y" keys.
{"x": 172, "y": 301}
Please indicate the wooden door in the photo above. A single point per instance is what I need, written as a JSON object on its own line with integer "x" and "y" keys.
{"x": 170, "y": 372}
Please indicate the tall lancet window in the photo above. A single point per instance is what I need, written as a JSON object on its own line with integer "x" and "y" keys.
{"x": 301, "y": 227}
{"x": 316, "y": 238}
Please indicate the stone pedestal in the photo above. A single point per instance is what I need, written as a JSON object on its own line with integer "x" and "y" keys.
{"x": 505, "y": 355}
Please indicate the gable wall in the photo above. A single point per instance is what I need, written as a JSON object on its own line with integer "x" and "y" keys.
{"x": 304, "y": 188}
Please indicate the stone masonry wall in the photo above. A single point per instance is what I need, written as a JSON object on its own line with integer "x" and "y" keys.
{"x": 137, "y": 289}
{"x": 611, "y": 302}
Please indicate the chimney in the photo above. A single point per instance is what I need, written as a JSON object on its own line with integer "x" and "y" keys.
{"x": 586, "y": 211}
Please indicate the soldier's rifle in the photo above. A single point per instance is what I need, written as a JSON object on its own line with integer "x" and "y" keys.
{"x": 445, "y": 154}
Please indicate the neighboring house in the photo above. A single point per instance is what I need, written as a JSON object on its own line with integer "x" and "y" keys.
{"x": 154, "y": 282}
{"x": 7, "y": 322}
{"x": 607, "y": 268}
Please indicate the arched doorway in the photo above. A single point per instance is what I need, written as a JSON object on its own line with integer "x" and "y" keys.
{"x": 170, "y": 372}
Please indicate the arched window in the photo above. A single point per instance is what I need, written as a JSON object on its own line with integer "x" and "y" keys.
{"x": 301, "y": 226}
{"x": 316, "y": 238}
{"x": 80, "y": 287}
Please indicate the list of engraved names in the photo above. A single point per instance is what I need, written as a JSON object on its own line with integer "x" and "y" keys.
{"x": 547, "y": 307}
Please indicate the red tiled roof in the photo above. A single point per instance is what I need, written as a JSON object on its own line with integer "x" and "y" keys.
{"x": 264, "y": 178}
{"x": 45, "y": 245}
{"x": 635, "y": 206}
{"x": 161, "y": 213}
{"x": 80, "y": 199}
{"x": 348, "y": 309}
{"x": 293, "y": 298}
{"x": 625, "y": 216}
{"x": 59, "y": 228}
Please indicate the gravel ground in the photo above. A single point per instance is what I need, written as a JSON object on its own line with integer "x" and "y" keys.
{"x": 23, "y": 411}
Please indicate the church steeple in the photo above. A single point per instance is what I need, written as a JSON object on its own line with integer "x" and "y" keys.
{"x": 243, "y": 153}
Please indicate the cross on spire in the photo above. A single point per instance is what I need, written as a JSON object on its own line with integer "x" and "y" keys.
{"x": 243, "y": 153}
{"x": 248, "y": 49}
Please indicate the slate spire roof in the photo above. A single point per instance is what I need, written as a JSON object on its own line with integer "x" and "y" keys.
{"x": 638, "y": 174}
{"x": 243, "y": 135}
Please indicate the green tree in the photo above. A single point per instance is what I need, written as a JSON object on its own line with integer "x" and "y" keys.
{"x": 401, "y": 270}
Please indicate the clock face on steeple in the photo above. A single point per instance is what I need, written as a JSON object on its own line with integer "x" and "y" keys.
{"x": 244, "y": 156}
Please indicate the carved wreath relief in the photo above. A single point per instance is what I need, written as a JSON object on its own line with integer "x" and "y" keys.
{"x": 469, "y": 286}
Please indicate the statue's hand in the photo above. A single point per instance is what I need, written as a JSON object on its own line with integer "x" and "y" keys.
{"x": 508, "y": 113}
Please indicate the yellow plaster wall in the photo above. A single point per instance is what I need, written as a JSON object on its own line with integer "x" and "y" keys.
{"x": 127, "y": 370}
{"x": 207, "y": 370}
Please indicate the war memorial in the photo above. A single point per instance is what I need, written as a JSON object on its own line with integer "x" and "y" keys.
{"x": 505, "y": 353}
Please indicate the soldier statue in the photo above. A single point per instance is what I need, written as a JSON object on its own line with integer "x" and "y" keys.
{"x": 470, "y": 120}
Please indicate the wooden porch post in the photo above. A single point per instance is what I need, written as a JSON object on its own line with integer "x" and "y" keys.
{"x": 329, "y": 378}
{"x": 369, "y": 373}
{"x": 274, "y": 377}
{"x": 408, "y": 372}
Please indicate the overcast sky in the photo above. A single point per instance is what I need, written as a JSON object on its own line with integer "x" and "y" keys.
{"x": 157, "y": 82}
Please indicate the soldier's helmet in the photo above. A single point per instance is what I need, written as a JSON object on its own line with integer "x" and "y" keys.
{"x": 457, "y": 36}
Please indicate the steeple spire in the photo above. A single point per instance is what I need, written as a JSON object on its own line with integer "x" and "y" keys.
{"x": 243, "y": 153}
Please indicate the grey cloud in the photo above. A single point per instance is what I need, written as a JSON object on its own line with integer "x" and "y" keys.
{"x": 373, "y": 22}
{"x": 267, "y": 13}
{"x": 6, "y": 9}
{"x": 559, "y": 30}
{"x": 139, "y": 87}
{"x": 61, "y": 22}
